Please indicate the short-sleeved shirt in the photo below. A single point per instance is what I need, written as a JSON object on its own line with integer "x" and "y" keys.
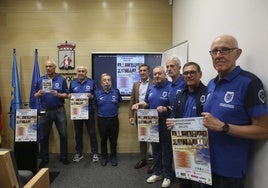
{"x": 176, "y": 87}
{"x": 48, "y": 100}
{"x": 157, "y": 95}
{"x": 107, "y": 103}
{"x": 235, "y": 99}
{"x": 87, "y": 86}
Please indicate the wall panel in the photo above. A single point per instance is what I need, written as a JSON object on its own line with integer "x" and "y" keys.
{"x": 116, "y": 25}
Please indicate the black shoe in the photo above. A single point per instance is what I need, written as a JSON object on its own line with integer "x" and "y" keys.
{"x": 104, "y": 161}
{"x": 65, "y": 161}
{"x": 43, "y": 163}
{"x": 140, "y": 164}
{"x": 114, "y": 161}
{"x": 150, "y": 169}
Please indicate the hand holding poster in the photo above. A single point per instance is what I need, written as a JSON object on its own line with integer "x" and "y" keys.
{"x": 47, "y": 85}
{"x": 148, "y": 129}
{"x": 191, "y": 150}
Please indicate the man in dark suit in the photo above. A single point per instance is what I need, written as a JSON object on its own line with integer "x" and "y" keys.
{"x": 138, "y": 94}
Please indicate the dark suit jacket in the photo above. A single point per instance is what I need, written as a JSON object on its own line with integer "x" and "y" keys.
{"x": 135, "y": 97}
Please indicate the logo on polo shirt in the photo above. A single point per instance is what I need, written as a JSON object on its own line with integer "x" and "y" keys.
{"x": 229, "y": 95}
{"x": 164, "y": 94}
{"x": 203, "y": 98}
{"x": 57, "y": 85}
{"x": 87, "y": 88}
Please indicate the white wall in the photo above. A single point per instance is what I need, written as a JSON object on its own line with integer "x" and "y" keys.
{"x": 200, "y": 21}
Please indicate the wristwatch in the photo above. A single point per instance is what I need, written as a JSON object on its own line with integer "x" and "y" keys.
{"x": 225, "y": 128}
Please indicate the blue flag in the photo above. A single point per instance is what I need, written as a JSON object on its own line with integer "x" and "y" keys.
{"x": 34, "y": 102}
{"x": 15, "y": 93}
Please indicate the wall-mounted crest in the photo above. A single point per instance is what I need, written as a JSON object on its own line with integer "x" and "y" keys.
{"x": 66, "y": 55}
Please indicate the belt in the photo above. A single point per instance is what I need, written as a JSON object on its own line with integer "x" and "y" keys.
{"x": 54, "y": 107}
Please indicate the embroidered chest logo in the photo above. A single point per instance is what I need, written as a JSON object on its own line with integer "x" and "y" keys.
{"x": 229, "y": 95}
{"x": 87, "y": 88}
{"x": 203, "y": 98}
{"x": 57, "y": 86}
{"x": 164, "y": 94}
{"x": 113, "y": 98}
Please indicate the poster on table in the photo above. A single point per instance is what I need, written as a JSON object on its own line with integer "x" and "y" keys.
{"x": 26, "y": 125}
{"x": 191, "y": 150}
{"x": 79, "y": 106}
{"x": 148, "y": 129}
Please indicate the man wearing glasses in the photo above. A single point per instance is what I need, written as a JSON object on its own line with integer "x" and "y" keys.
{"x": 189, "y": 102}
{"x": 235, "y": 113}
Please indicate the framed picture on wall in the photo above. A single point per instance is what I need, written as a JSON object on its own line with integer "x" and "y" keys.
{"x": 66, "y": 59}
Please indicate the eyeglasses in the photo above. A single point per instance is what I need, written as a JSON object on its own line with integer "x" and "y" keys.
{"x": 223, "y": 51}
{"x": 191, "y": 73}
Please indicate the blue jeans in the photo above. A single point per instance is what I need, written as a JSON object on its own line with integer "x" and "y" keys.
{"x": 225, "y": 182}
{"x": 162, "y": 152}
{"x": 90, "y": 125}
{"x": 58, "y": 116}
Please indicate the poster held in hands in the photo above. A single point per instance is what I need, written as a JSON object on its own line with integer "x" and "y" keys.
{"x": 191, "y": 150}
{"x": 148, "y": 128}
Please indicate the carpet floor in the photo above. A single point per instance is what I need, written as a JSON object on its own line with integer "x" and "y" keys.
{"x": 86, "y": 174}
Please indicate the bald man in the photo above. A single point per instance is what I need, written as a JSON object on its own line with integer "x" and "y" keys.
{"x": 235, "y": 113}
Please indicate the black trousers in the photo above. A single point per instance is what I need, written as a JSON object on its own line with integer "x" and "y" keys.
{"x": 108, "y": 128}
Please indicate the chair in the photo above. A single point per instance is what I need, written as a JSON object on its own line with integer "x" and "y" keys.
{"x": 11, "y": 177}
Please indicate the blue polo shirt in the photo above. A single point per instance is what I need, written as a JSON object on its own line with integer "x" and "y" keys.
{"x": 176, "y": 87}
{"x": 87, "y": 86}
{"x": 107, "y": 103}
{"x": 158, "y": 96}
{"x": 48, "y": 100}
{"x": 235, "y": 99}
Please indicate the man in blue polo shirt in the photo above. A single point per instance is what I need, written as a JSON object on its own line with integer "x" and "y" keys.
{"x": 173, "y": 67}
{"x": 235, "y": 113}
{"x": 107, "y": 100}
{"x": 52, "y": 90}
{"x": 157, "y": 98}
{"x": 189, "y": 102}
{"x": 83, "y": 84}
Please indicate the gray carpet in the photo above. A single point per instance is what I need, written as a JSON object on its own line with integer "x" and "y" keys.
{"x": 86, "y": 174}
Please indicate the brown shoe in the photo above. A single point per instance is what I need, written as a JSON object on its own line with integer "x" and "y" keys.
{"x": 150, "y": 169}
{"x": 140, "y": 164}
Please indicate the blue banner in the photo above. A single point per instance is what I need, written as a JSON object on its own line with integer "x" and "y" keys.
{"x": 15, "y": 93}
{"x": 34, "y": 103}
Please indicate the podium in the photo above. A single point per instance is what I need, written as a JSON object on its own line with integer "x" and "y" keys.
{"x": 26, "y": 154}
{"x": 26, "y": 143}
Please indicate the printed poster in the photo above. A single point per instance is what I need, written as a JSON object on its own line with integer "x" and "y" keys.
{"x": 128, "y": 72}
{"x": 26, "y": 125}
{"x": 148, "y": 128}
{"x": 79, "y": 106}
{"x": 191, "y": 150}
{"x": 47, "y": 85}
